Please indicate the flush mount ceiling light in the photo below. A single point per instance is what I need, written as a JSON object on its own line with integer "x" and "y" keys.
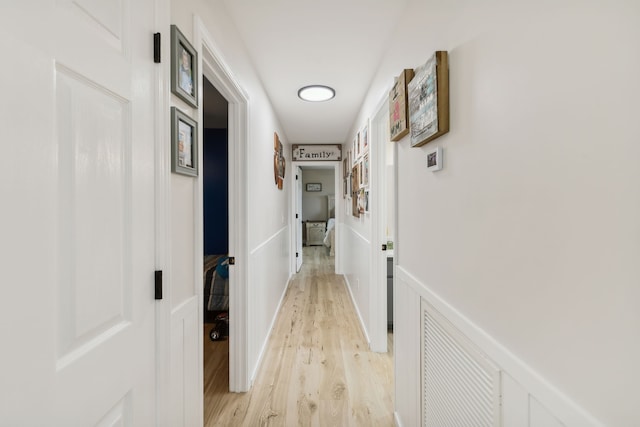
{"x": 316, "y": 93}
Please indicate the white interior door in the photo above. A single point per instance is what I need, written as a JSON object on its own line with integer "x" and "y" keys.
{"x": 298, "y": 218}
{"x": 381, "y": 201}
{"x": 78, "y": 239}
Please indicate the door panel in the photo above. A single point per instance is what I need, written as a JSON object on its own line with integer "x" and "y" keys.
{"x": 83, "y": 325}
{"x": 94, "y": 180}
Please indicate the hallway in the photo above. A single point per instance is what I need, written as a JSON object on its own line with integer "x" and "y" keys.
{"x": 317, "y": 368}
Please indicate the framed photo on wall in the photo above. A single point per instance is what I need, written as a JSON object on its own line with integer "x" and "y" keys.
{"x": 184, "y": 143}
{"x": 365, "y": 170}
{"x": 399, "y": 107}
{"x": 355, "y": 187}
{"x": 364, "y": 135}
{"x": 184, "y": 68}
{"x": 366, "y": 201}
{"x": 429, "y": 100}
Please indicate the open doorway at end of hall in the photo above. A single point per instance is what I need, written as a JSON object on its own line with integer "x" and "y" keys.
{"x": 316, "y": 193}
{"x": 215, "y": 170}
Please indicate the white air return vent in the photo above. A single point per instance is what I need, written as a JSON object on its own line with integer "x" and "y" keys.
{"x": 460, "y": 385}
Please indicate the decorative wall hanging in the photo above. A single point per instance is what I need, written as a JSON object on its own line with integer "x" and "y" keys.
{"x": 355, "y": 187}
{"x": 361, "y": 196}
{"x": 184, "y": 143}
{"x": 184, "y": 68}
{"x": 429, "y": 100}
{"x": 365, "y": 171}
{"x": 314, "y": 186}
{"x": 316, "y": 152}
{"x": 366, "y": 201}
{"x": 364, "y": 134}
{"x": 279, "y": 162}
{"x": 398, "y": 106}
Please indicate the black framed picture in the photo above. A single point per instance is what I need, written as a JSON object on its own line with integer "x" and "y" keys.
{"x": 314, "y": 186}
{"x": 184, "y": 68}
{"x": 184, "y": 143}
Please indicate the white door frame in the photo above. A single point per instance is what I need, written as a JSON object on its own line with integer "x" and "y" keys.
{"x": 297, "y": 216}
{"x": 378, "y": 264}
{"x": 219, "y": 74}
{"x": 163, "y": 230}
{"x": 337, "y": 184}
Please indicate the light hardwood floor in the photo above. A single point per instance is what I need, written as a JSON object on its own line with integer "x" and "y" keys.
{"x": 317, "y": 369}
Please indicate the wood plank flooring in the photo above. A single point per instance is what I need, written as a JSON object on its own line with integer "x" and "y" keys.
{"x": 317, "y": 369}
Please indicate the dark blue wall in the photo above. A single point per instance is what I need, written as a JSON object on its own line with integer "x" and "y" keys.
{"x": 216, "y": 191}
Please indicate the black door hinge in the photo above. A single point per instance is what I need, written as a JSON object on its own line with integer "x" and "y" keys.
{"x": 158, "y": 284}
{"x": 384, "y": 246}
{"x": 232, "y": 260}
{"x": 297, "y": 254}
{"x": 296, "y": 216}
{"x": 156, "y": 48}
{"x": 296, "y": 177}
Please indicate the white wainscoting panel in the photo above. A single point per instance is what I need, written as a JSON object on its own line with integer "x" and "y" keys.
{"x": 515, "y": 403}
{"x": 185, "y": 393}
{"x": 528, "y": 400}
{"x": 266, "y": 287}
{"x": 540, "y": 416}
{"x": 356, "y": 257}
{"x": 406, "y": 336}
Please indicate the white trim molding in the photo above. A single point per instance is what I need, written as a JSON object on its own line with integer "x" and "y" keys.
{"x": 162, "y": 230}
{"x": 218, "y": 72}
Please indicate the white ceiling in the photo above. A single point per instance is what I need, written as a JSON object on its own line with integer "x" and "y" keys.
{"x": 295, "y": 43}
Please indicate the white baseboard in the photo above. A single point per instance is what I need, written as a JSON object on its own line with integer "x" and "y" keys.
{"x": 355, "y": 306}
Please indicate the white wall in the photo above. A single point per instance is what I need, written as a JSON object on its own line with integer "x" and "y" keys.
{"x": 268, "y": 218}
{"x": 355, "y": 241}
{"x": 314, "y": 204}
{"x": 531, "y": 229}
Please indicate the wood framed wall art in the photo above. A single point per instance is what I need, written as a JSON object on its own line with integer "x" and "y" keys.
{"x": 429, "y": 100}
{"x": 355, "y": 187}
{"x": 399, "y": 107}
{"x": 279, "y": 163}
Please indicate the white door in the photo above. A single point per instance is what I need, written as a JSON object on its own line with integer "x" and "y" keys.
{"x": 382, "y": 224}
{"x": 298, "y": 218}
{"x": 77, "y": 221}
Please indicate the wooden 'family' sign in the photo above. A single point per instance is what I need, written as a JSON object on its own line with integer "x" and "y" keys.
{"x": 316, "y": 152}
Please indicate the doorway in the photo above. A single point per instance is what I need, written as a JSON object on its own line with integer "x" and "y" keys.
{"x": 315, "y": 205}
{"x": 215, "y": 204}
{"x": 383, "y": 248}
{"x": 216, "y": 71}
